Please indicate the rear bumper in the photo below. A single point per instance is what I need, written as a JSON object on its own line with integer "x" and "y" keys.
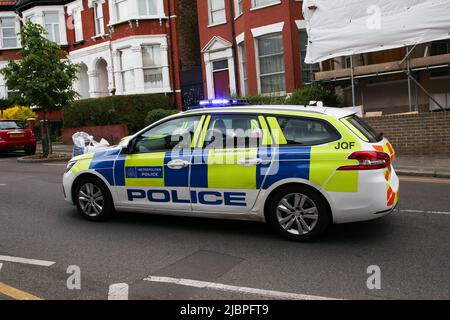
{"x": 376, "y": 198}
{"x": 17, "y": 145}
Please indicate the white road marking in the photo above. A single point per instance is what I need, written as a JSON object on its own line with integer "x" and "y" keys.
{"x": 118, "y": 291}
{"x": 27, "y": 261}
{"x": 1, "y": 266}
{"x": 237, "y": 289}
{"x": 2, "y": 185}
{"x": 424, "y": 211}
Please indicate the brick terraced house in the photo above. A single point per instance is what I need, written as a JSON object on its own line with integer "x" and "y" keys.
{"x": 252, "y": 47}
{"x": 122, "y": 46}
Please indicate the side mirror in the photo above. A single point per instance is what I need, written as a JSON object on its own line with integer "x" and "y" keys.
{"x": 127, "y": 146}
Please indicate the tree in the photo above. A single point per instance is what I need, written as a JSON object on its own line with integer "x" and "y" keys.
{"x": 42, "y": 78}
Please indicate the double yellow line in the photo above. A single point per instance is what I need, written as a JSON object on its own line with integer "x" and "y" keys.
{"x": 16, "y": 293}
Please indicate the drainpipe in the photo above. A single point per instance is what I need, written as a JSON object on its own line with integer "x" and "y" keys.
{"x": 172, "y": 59}
{"x": 233, "y": 48}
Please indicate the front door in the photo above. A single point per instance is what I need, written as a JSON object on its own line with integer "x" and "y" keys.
{"x": 221, "y": 79}
{"x": 156, "y": 174}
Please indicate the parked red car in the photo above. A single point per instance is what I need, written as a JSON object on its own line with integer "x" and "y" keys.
{"x": 13, "y": 136}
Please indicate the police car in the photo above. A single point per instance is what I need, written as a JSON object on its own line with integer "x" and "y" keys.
{"x": 299, "y": 168}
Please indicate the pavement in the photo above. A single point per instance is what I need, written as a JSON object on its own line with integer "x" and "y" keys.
{"x": 426, "y": 166}
{"x": 48, "y": 251}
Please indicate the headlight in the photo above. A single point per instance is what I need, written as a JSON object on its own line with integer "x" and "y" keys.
{"x": 70, "y": 165}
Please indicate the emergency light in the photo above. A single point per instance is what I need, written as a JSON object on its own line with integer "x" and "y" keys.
{"x": 214, "y": 103}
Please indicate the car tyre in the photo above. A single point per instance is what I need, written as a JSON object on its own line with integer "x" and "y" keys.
{"x": 93, "y": 199}
{"x": 298, "y": 213}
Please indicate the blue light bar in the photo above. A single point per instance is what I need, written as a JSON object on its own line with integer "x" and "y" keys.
{"x": 220, "y": 103}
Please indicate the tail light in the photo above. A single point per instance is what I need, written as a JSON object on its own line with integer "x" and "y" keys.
{"x": 368, "y": 160}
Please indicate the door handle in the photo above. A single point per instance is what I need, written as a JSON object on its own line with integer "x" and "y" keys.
{"x": 177, "y": 164}
{"x": 248, "y": 162}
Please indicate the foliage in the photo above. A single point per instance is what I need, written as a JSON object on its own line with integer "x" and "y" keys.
{"x": 125, "y": 109}
{"x": 158, "y": 114}
{"x": 19, "y": 112}
{"x": 314, "y": 92}
{"x": 42, "y": 77}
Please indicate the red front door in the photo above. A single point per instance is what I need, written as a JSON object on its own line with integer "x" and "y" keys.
{"x": 221, "y": 84}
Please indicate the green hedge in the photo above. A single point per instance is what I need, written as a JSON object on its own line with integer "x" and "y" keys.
{"x": 131, "y": 110}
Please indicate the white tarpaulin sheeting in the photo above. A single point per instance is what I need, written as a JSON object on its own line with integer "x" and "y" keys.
{"x": 346, "y": 27}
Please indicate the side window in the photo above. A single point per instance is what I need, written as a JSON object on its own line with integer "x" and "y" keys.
{"x": 174, "y": 134}
{"x": 233, "y": 131}
{"x": 307, "y": 131}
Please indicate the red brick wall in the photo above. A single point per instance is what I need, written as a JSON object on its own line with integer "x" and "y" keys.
{"x": 422, "y": 134}
{"x": 287, "y": 11}
{"x": 112, "y": 133}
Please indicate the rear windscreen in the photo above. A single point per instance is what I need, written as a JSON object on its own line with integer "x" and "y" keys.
{"x": 10, "y": 125}
{"x": 362, "y": 128}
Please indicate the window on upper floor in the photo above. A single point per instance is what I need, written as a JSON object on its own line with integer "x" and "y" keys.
{"x": 151, "y": 61}
{"x": 237, "y": 7}
{"x": 77, "y": 24}
{"x": 216, "y": 11}
{"x": 271, "y": 63}
{"x": 147, "y": 7}
{"x": 262, "y": 3}
{"x": 121, "y": 9}
{"x": 9, "y": 32}
{"x": 51, "y": 24}
{"x": 98, "y": 18}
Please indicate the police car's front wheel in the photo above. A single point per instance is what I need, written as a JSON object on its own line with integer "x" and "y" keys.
{"x": 298, "y": 213}
{"x": 93, "y": 199}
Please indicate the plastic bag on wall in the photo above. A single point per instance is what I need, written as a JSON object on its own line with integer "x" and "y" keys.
{"x": 85, "y": 143}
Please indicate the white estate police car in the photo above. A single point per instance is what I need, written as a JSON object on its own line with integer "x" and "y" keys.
{"x": 298, "y": 168}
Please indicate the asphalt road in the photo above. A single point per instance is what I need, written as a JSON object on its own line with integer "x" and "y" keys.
{"x": 243, "y": 260}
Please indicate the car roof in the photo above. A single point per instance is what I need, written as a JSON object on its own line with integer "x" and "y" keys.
{"x": 337, "y": 113}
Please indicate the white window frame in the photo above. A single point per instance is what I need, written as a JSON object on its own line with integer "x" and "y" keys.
{"x": 99, "y": 23}
{"x": 16, "y": 30}
{"x": 74, "y": 9}
{"x": 37, "y": 13}
{"x": 243, "y": 74}
{"x": 53, "y": 25}
{"x": 258, "y": 68}
{"x": 210, "y": 14}
{"x": 255, "y": 6}
{"x": 238, "y": 8}
{"x": 133, "y": 12}
{"x": 136, "y": 43}
{"x": 156, "y": 67}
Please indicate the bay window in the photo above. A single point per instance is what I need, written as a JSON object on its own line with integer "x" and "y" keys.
{"x": 127, "y": 69}
{"x": 216, "y": 11}
{"x": 151, "y": 60}
{"x": 271, "y": 64}
{"x": 98, "y": 18}
{"x": 121, "y": 9}
{"x": 148, "y": 7}
{"x": 8, "y": 32}
{"x": 51, "y": 24}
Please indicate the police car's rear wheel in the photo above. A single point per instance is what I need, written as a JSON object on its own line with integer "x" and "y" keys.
{"x": 93, "y": 199}
{"x": 298, "y": 213}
